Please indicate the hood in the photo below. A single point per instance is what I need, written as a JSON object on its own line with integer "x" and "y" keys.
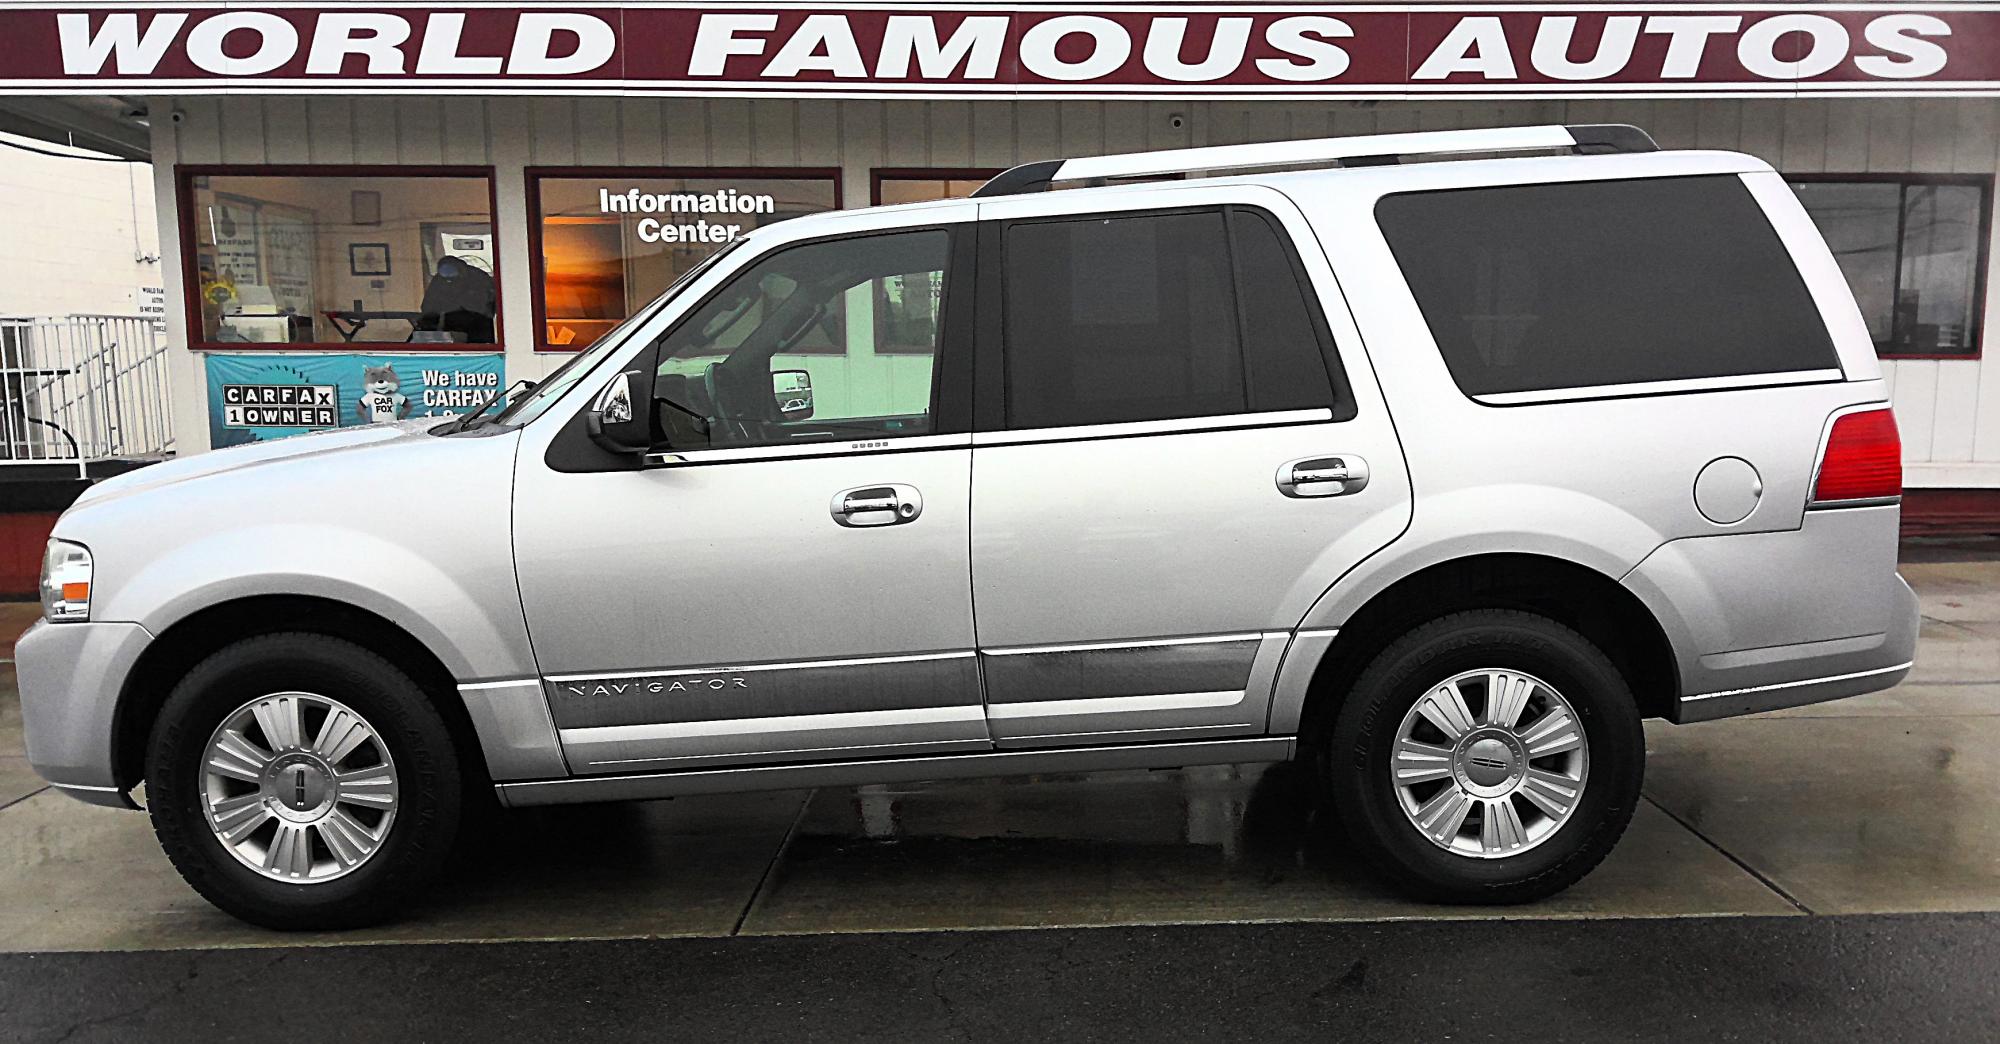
{"x": 256, "y": 454}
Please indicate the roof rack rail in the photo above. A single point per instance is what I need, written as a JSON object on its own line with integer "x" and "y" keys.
{"x": 1361, "y": 151}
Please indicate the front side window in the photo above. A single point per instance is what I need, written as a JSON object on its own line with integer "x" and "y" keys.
{"x": 325, "y": 259}
{"x": 1156, "y": 316}
{"x": 1914, "y": 252}
{"x": 1537, "y": 288}
{"x": 610, "y": 240}
{"x": 790, "y": 350}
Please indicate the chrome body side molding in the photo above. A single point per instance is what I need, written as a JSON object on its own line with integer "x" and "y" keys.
{"x": 1094, "y": 693}
{"x": 682, "y": 717}
{"x": 895, "y": 770}
{"x": 1708, "y": 706}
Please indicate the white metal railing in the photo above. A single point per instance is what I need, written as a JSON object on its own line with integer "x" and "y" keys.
{"x": 79, "y": 388}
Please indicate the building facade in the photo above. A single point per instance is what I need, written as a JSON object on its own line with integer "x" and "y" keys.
{"x": 80, "y": 233}
{"x": 466, "y": 196}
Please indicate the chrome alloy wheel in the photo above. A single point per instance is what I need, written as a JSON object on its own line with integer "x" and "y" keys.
{"x": 298, "y": 787}
{"x": 1497, "y": 780}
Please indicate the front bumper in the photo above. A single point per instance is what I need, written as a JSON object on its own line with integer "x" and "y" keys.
{"x": 70, "y": 677}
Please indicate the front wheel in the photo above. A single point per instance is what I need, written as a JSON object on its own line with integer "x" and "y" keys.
{"x": 300, "y": 781}
{"x": 1487, "y": 757}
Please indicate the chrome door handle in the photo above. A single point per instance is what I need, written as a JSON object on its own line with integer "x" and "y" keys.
{"x": 886, "y": 505}
{"x": 1322, "y": 476}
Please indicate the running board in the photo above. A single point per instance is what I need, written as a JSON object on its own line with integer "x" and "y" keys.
{"x": 894, "y": 770}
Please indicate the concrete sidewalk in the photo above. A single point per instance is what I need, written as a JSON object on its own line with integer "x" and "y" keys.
{"x": 1887, "y": 803}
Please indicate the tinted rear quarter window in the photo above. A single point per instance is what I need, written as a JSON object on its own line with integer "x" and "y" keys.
{"x": 1580, "y": 284}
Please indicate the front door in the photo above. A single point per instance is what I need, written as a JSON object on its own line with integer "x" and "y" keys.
{"x": 788, "y": 578}
{"x": 1179, "y": 463}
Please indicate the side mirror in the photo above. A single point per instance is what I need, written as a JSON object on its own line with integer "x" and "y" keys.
{"x": 616, "y": 421}
{"x": 793, "y": 390}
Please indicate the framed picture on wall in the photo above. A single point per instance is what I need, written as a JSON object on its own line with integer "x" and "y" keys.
{"x": 365, "y": 206}
{"x": 368, "y": 259}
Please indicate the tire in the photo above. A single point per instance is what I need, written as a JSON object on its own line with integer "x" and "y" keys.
{"x": 406, "y": 825}
{"x": 1540, "y": 852}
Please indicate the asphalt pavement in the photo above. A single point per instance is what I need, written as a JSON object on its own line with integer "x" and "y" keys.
{"x": 1824, "y": 979}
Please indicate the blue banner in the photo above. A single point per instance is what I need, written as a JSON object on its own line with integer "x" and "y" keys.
{"x": 253, "y": 398}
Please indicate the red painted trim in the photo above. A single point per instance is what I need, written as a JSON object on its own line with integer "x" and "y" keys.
{"x": 23, "y": 537}
{"x": 534, "y": 175}
{"x": 1983, "y": 182}
{"x": 184, "y": 175}
{"x": 880, "y": 174}
{"x": 1936, "y": 512}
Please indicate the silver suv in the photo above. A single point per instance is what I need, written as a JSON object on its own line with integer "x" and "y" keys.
{"x": 1441, "y": 476}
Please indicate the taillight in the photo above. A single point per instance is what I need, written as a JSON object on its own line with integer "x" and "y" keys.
{"x": 1863, "y": 460}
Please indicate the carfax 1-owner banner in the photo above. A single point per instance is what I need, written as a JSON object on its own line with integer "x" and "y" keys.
{"x": 1019, "y": 49}
{"x": 253, "y": 398}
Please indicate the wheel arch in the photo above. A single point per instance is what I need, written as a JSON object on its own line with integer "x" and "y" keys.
{"x": 200, "y": 634}
{"x": 1575, "y": 595}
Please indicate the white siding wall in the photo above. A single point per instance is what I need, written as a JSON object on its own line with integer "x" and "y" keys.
{"x": 1949, "y": 410}
{"x": 75, "y": 235}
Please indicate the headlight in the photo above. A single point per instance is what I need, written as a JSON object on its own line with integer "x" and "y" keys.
{"x": 66, "y": 582}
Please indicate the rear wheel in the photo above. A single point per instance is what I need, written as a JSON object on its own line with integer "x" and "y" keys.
{"x": 301, "y": 781}
{"x": 1487, "y": 757}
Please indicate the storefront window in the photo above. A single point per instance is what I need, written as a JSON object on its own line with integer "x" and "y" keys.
{"x": 923, "y": 186}
{"x": 326, "y": 258}
{"x": 611, "y": 240}
{"x": 1914, "y": 251}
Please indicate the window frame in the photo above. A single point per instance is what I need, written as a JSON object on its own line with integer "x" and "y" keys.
{"x": 1984, "y": 183}
{"x": 184, "y": 176}
{"x": 571, "y": 450}
{"x": 532, "y": 178}
{"x": 993, "y": 390}
{"x": 878, "y": 175}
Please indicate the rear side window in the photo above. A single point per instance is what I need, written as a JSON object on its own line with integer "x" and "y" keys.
{"x": 1155, "y": 316}
{"x": 1546, "y": 287}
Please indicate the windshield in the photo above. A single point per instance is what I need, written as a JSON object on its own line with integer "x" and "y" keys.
{"x": 537, "y": 401}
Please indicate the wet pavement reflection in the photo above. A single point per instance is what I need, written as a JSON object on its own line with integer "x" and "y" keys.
{"x": 1889, "y": 802}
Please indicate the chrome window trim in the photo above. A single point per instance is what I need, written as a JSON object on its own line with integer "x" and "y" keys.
{"x": 1803, "y": 681}
{"x": 1120, "y": 705}
{"x": 830, "y": 448}
{"x": 1674, "y": 387}
{"x": 1133, "y": 429}
{"x": 1147, "y": 643}
{"x": 967, "y": 712}
{"x": 670, "y": 672}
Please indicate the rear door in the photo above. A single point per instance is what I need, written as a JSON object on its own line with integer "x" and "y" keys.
{"x": 1175, "y": 458}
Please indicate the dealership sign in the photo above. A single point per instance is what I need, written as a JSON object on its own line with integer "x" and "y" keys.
{"x": 1020, "y": 49}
